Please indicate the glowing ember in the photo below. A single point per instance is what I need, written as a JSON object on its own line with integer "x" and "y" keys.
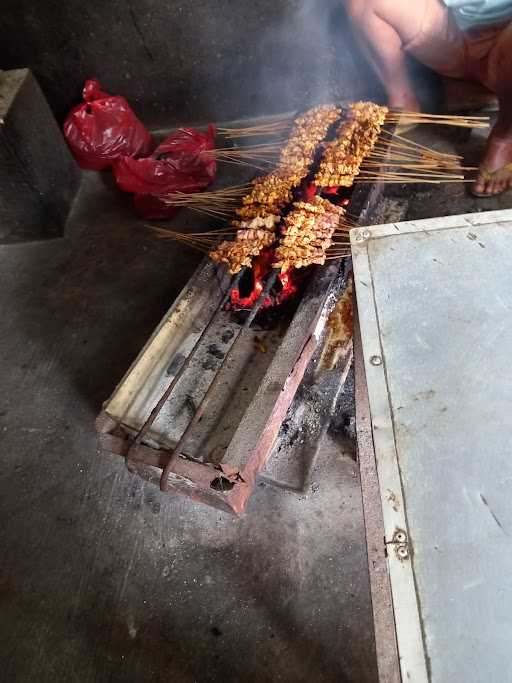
{"x": 336, "y": 193}
{"x": 285, "y": 287}
{"x": 308, "y": 192}
{"x": 289, "y": 285}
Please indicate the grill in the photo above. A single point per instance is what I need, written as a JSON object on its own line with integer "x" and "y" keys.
{"x": 200, "y": 409}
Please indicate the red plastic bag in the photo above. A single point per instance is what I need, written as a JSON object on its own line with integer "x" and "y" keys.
{"x": 103, "y": 128}
{"x": 179, "y": 164}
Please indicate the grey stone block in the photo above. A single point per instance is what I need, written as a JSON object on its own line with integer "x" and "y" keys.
{"x": 38, "y": 176}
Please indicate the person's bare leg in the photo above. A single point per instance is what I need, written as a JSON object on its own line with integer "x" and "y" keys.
{"x": 498, "y": 153}
{"x": 385, "y": 27}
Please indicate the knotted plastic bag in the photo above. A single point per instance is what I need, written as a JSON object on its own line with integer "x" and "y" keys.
{"x": 104, "y": 128}
{"x": 180, "y": 164}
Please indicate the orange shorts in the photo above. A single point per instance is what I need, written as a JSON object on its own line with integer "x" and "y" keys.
{"x": 474, "y": 55}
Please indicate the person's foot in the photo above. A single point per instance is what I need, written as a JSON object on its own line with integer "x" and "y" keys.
{"x": 495, "y": 174}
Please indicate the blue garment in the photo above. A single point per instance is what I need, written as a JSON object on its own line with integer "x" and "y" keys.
{"x": 473, "y": 13}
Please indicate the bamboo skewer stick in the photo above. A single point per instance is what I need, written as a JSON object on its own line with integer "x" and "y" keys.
{"x": 281, "y": 125}
{"x": 224, "y": 193}
{"x": 245, "y": 151}
{"x": 409, "y": 153}
{"x": 412, "y": 156}
{"x": 215, "y": 201}
{"x": 234, "y": 135}
{"x": 417, "y": 152}
{"x": 402, "y": 155}
{"x": 410, "y": 181}
{"x": 184, "y": 237}
{"x": 255, "y": 155}
{"x": 441, "y": 119}
{"x": 399, "y": 139}
{"x": 455, "y": 117}
{"x": 401, "y": 160}
{"x": 406, "y": 174}
{"x": 392, "y": 163}
{"x": 386, "y": 171}
{"x": 418, "y": 173}
{"x": 439, "y": 122}
{"x": 453, "y": 120}
{"x": 193, "y": 246}
{"x": 420, "y": 163}
{"x": 215, "y": 213}
{"x": 196, "y": 241}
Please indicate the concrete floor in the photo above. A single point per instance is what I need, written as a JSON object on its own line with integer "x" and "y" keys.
{"x": 104, "y": 578}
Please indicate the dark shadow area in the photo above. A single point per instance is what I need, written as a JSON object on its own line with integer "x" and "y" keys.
{"x": 108, "y": 275}
{"x": 191, "y": 61}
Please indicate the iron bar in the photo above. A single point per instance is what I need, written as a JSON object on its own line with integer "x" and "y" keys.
{"x": 164, "y": 480}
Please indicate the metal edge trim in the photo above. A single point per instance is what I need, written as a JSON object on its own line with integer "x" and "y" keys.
{"x": 386, "y": 647}
{"x": 359, "y": 236}
{"x": 413, "y": 659}
{"x": 207, "y": 269}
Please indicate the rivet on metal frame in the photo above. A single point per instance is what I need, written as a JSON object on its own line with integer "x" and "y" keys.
{"x": 401, "y": 543}
{"x": 402, "y": 552}
{"x": 400, "y": 536}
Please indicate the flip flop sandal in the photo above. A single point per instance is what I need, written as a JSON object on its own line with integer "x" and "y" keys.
{"x": 504, "y": 171}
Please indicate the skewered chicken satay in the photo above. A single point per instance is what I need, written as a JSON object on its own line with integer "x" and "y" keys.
{"x": 260, "y": 222}
{"x": 269, "y": 195}
{"x": 238, "y": 254}
{"x": 262, "y": 206}
{"x": 307, "y": 233}
{"x": 355, "y": 139}
{"x": 273, "y": 192}
{"x": 264, "y": 222}
{"x": 308, "y": 132}
{"x": 252, "y": 237}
